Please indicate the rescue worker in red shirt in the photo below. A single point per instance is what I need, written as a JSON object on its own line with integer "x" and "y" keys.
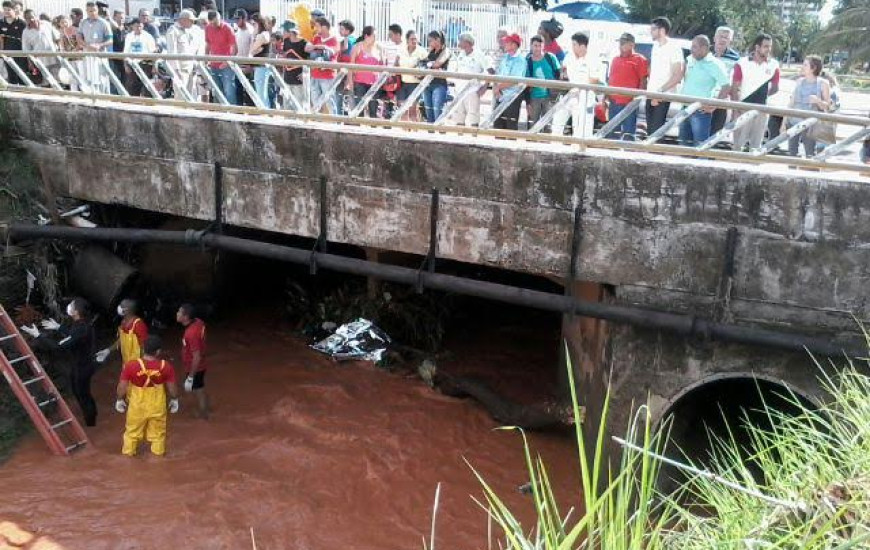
{"x": 132, "y": 333}
{"x": 193, "y": 356}
{"x": 141, "y": 393}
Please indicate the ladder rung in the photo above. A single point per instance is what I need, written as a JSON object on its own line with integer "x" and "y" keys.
{"x": 48, "y": 401}
{"x": 19, "y": 359}
{"x": 61, "y": 423}
{"x": 76, "y": 445}
{"x": 8, "y": 337}
{"x": 34, "y": 380}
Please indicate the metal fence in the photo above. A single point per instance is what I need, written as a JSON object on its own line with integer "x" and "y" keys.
{"x": 451, "y": 18}
{"x": 470, "y": 108}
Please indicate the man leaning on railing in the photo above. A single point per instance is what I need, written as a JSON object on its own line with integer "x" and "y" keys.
{"x": 705, "y": 78}
{"x": 513, "y": 63}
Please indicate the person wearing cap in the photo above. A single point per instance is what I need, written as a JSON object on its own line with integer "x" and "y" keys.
{"x": 666, "y": 69}
{"x": 103, "y": 9}
{"x": 469, "y": 60}
{"x": 507, "y": 96}
{"x": 183, "y": 39}
{"x": 627, "y": 70}
{"x": 293, "y": 48}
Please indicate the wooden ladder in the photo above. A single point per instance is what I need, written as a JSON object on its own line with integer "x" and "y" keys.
{"x": 34, "y": 389}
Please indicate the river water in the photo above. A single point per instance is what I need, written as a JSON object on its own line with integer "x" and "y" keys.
{"x": 307, "y": 453}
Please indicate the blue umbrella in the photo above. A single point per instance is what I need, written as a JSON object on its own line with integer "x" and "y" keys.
{"x": 586, "y": 10}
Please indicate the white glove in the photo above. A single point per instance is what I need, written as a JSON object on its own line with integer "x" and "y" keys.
{"x": 121, "y": 406}
{"x": 188, "y": 383}
{"x": 50, "y": 324}
{"x": 173, "y": 406}
{"x": 31, "y": 330}
{"x": 102, "y": 355}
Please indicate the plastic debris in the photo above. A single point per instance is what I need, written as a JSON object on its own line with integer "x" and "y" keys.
{"x": 359, "y": 340}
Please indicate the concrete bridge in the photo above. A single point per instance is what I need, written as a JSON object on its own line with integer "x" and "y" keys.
{"x": 750, "y": 245}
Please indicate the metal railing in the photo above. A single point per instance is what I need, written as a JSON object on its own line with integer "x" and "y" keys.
{"x": 188, "y": 82}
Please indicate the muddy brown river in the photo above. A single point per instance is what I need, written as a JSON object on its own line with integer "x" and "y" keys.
{"x": 309, "y": 454}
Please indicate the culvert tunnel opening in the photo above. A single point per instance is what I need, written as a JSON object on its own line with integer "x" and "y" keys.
{"x": 725, "y": 409}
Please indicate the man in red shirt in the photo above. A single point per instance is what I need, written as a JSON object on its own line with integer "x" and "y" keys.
{"x": 628, "y": 70}
{"x": 221, "y": 40}
{"x": 193, "y": 356}
{"x": 141, "y": 393}
{"x": 323, "y": 47}
{"x": 132, "y": 333}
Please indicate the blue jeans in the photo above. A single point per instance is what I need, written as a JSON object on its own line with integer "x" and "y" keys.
{"x": 262, "y": 81}
{"x": 695, "y": 129}
{"x": 225, "y": 78}
{"x": 626, "y": 129}
{"x": 319, "y": 88}
{"x": 434, "y": 98}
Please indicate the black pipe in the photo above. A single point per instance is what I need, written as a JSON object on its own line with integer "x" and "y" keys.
{"x": 685, "y": 325}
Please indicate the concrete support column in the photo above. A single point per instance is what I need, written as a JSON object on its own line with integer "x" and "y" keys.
{"x": 373, "y": 285}
{"x": 585, "y": 340}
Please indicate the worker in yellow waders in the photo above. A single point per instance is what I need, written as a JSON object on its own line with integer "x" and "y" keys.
{"x": 132, "y": 333}
{"x": 142, "y": 393}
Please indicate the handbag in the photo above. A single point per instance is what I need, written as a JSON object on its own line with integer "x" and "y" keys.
{"x": 823, "y": 131}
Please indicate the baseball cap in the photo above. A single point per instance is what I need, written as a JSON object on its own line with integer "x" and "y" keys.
{"x": 627, "y": 37}
{"x": 318, "y": 13}
{"x": 515, "y": 38}
{"x": 289, "y": 26}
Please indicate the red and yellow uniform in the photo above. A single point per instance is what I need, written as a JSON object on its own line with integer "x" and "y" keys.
{"x": 131, "y": 337}
{"x": 193, "y": 341}
{"x": 146, "y": 407}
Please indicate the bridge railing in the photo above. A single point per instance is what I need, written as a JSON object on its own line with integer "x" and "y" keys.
{"x": 203, "y": 82}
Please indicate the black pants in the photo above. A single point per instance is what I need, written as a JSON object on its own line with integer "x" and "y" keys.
{"x": 510, "y": 118}
{"x": 656, "y": 115}
{"x": 80, "y": 377}
{"x": 718, "y": 121}
{"x": 359, "y": 91}
{"x": 117, "y": 66}
{"x": 134, "y": 85}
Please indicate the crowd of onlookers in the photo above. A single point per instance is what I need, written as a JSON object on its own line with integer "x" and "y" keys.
{"x": 712, "y": 69}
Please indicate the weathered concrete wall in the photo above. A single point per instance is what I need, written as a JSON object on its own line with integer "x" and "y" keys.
{"x": 653, "y": 227}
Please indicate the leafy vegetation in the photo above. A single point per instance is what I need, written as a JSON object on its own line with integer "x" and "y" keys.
{"x": 804, "y": 484}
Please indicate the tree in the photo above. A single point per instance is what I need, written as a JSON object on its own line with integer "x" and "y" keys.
{"x": 749, "y": 18}
{"x": 848, "y": 32}
{"x": 688, "y": 17}
{"x": 800, "y": 35}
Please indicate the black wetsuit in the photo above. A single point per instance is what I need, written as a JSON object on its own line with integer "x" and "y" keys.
{"x": 78, "y": 340}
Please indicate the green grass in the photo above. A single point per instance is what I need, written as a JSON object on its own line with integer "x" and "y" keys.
{"x": 801, "y": 482}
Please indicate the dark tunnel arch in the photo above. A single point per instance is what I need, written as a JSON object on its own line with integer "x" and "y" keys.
{"x": 704, "y": 406}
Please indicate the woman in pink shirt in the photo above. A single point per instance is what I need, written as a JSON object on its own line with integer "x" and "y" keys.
{"x": 366, "y": 52}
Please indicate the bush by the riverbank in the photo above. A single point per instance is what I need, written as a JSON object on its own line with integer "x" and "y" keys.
{"x": 802, "y": 482}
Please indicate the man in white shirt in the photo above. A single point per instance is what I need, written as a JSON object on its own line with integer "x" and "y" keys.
{"x": 579, "y": 68}
{"x": 471, "y": 61}
{"x": 244, "y": 33}
{"x": 667, "y": 66}
{"x": 36, "y": 38}
{"x": 183, "y": 39}
{"x": 391, "y": 46}
{"x": 139, "y": 41}
{"x": 755, "y": 78}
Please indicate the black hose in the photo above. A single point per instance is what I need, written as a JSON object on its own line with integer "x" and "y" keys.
{"x": 682, "y": 324}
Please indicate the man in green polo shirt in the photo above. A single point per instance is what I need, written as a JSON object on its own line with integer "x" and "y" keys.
{"x": 706, "y": 77}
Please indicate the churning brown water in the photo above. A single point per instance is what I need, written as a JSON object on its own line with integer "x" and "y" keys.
{"x": 310, "y": 454}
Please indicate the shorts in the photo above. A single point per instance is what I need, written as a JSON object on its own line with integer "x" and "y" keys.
{"x": 199, "y": 380}
{"x": 405, "y": 90}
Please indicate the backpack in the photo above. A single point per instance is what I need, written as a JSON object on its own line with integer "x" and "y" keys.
{"x": 530, "y": 72}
